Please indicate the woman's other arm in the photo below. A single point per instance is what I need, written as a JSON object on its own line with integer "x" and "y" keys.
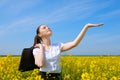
{"x": 78, "y": 39}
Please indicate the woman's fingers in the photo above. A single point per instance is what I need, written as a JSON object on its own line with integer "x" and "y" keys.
{"x": 37, "y": 45}
{"x": 100, "y": 24}
{"x": 94, "y": 25}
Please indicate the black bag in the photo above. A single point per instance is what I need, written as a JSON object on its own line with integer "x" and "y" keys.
{"x": 27, "y": 61}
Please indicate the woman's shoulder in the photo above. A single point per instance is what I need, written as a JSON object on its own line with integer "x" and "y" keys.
{"x": 57, "y": 43}
{"x": 36, "y": 50}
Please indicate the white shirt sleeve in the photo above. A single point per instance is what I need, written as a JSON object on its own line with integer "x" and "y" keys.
{"x": 36, "y": 51}
{"x": 60, "y": 45}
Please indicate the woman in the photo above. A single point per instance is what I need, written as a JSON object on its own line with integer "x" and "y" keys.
{"x": 47, "y": 54}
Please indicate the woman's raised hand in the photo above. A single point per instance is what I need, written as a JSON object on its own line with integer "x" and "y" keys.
{"x": 94, "y": 25}
{"x": 39, "y": 46}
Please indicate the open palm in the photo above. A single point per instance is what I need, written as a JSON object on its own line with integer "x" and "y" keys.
{"x": 94, "y": 25}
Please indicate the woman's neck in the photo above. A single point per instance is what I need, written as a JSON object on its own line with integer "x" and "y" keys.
{"x": 46, "y": 41}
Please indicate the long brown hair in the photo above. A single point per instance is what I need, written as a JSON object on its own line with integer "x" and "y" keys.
{"x": 37, "y": 39}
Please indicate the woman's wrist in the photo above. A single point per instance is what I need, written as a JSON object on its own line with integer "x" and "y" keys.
{"x": 41, "y": 52}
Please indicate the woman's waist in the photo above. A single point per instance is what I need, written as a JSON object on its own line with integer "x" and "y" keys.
{"x": 51, "y": 70}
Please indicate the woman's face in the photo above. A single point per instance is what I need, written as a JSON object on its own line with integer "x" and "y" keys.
{"x": 44, "y": 31}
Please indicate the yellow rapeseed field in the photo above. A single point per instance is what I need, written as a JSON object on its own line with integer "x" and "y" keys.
{"x": 73, "y": 68}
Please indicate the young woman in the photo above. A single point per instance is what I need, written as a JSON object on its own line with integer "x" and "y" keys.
{"x": 47, "y": 54}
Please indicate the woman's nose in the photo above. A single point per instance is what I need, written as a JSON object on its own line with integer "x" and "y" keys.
{"x": 49, "y": 28}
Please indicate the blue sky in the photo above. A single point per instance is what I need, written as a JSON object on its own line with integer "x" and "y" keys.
{"x": 66, "y": 18}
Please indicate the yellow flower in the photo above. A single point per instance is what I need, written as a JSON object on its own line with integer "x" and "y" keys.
{"x": 114, "y": 78}
{"x": 85, "y": 76}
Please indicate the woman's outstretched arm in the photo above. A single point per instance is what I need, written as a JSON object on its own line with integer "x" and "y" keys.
{"x": 80, "y": 36}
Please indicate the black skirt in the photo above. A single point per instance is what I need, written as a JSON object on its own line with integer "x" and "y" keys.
{"x": 50, "y": 76}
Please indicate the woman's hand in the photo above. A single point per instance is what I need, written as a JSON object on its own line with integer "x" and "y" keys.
{"x": 94, "y": 25}
{"x": 39, "y": 46}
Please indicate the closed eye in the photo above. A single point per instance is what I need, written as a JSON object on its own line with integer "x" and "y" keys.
{"x": 44, "y": 27}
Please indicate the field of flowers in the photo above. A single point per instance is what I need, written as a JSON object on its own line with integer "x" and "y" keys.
{"x": 73, "y": 68}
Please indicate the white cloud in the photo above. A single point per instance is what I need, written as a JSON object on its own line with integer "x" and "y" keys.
{"x": 110, "y": 15}
{"x": 17, "y": 7}
{"x": 14, "y": 26}
{"x": 81, "y": 10}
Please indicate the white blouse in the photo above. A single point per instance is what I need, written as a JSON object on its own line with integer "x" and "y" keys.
{"x": 52, "y": 58}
